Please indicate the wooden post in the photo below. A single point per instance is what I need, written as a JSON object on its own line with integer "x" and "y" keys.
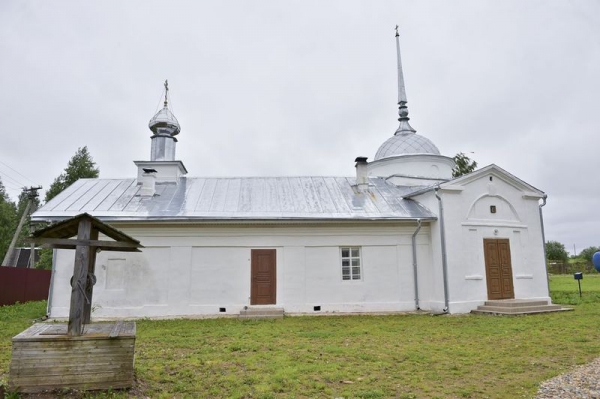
{"x": 80, "y": 270}
{"x": 89, "y": 286}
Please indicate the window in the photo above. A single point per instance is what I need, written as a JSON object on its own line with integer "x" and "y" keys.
{"x": 350, "y": 263}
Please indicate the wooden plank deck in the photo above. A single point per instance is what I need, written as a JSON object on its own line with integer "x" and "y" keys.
{"x": 45, "y": 357}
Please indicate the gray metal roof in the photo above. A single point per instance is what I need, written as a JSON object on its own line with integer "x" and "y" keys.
{"x": 406, "y": 143}
{"x": 244, "y": 198}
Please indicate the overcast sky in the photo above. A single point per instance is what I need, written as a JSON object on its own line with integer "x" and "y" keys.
{"x": 302, "y": 88}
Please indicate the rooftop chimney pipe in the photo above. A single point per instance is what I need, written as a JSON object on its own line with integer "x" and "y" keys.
{"x": 148, "y": 181}
{"x": 362, "y": 178}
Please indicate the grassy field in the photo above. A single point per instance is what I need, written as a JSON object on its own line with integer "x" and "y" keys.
{"x": 403, "y": 356}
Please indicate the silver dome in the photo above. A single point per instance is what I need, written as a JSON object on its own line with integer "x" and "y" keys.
{"x": 404, "y": 144}
{"x": 164, "y": 119}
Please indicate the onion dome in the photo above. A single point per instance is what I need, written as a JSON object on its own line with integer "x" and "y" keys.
{"x": 164, "y": 122}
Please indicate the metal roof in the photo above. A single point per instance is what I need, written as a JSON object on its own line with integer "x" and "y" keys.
{"x": 408, "y": 143}
{"x": 243, "y": 198}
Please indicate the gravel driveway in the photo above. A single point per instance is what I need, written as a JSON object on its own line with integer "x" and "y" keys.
{"x": 581, "y": 382}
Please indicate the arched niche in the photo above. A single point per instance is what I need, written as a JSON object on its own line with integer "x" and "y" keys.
{"x": 492, "y": 207}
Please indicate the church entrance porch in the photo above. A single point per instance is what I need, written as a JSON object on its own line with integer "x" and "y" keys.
{"x": 498, "y": 268}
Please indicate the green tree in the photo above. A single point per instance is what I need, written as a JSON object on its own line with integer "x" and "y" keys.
{"x": 8, "y": 220}
{"x": 464, "y": 165}
{"x": 588, "y": 253}
{"x": 45, "y": 261}
{"x": 80, "y": 166}
{"x": 556, "y": 251}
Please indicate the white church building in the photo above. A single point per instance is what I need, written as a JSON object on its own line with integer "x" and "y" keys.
{"x": 399, "y": 235}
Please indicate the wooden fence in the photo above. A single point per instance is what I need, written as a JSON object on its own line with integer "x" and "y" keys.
{"x": 23, "y": 285}
{"x": 555, "y": 267}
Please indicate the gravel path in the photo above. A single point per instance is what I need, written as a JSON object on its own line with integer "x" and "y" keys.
{"x": 581, "y": 382}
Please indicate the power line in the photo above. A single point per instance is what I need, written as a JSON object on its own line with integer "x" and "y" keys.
{"x": 12, "y": 179}
{"x": 11, "y": 186}
{"x": 10, "y": 182}
{"x": 17, "y": 172}
{"x": 160, "y": 99}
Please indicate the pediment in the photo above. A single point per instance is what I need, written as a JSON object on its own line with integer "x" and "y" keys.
{"x": 495, "y": 173}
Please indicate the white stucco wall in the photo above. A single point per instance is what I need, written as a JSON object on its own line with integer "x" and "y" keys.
{"x": 188, "y": 270}
{"x": 167, "y": 171}
{"x": 468, "y": 221}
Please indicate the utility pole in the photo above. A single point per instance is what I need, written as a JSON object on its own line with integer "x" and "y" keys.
{"x": 32, "y": 194}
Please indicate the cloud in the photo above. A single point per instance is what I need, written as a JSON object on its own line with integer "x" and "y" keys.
{"x": 296, "y": 88}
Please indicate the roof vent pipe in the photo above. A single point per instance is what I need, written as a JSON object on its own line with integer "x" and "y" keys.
{"x": 362, "y": 178}
{"x": 148, "y": 181}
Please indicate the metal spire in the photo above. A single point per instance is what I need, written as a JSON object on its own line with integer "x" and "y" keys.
{"x": 166, "y": 93}
{"x": 404, "y": 127}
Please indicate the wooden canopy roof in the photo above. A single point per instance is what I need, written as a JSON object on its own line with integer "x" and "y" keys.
{"x": 58, "y": 235}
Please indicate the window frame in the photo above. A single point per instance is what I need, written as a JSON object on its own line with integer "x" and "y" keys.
{"x": 351, "y": 258}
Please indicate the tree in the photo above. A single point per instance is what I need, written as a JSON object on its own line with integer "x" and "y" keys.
{"x": 588, "y": 253}
{"x": 464, "y": 165}
{"x": 45, "y": 261}
{"x": 80, "y": 166}
{"x": 8, "y": 221}
{"x": 556, "y": 251}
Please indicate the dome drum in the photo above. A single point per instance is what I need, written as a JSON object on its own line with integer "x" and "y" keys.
{"x": 413, "y": 169}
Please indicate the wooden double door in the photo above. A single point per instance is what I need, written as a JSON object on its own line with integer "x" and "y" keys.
{"x": 263, "y": 288}
{"x": 498, "y": 268}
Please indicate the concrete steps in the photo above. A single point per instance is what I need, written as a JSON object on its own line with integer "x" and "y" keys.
{"x": 517, "y": 307}
{"x": 259, "y": 312}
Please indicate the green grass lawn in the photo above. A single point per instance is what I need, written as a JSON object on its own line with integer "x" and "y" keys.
{"x": 564, "y": 289}
{"x": 402, "y": 356}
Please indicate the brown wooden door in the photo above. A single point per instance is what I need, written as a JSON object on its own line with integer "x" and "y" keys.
{"x": 498, "y": 268}
{"x": 264, "y": 277}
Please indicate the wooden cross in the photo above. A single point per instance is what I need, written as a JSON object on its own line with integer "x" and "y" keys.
{"x": 87, "y": 229}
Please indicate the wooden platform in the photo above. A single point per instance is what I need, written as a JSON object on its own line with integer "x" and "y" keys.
{"x": 44, "y": 357}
